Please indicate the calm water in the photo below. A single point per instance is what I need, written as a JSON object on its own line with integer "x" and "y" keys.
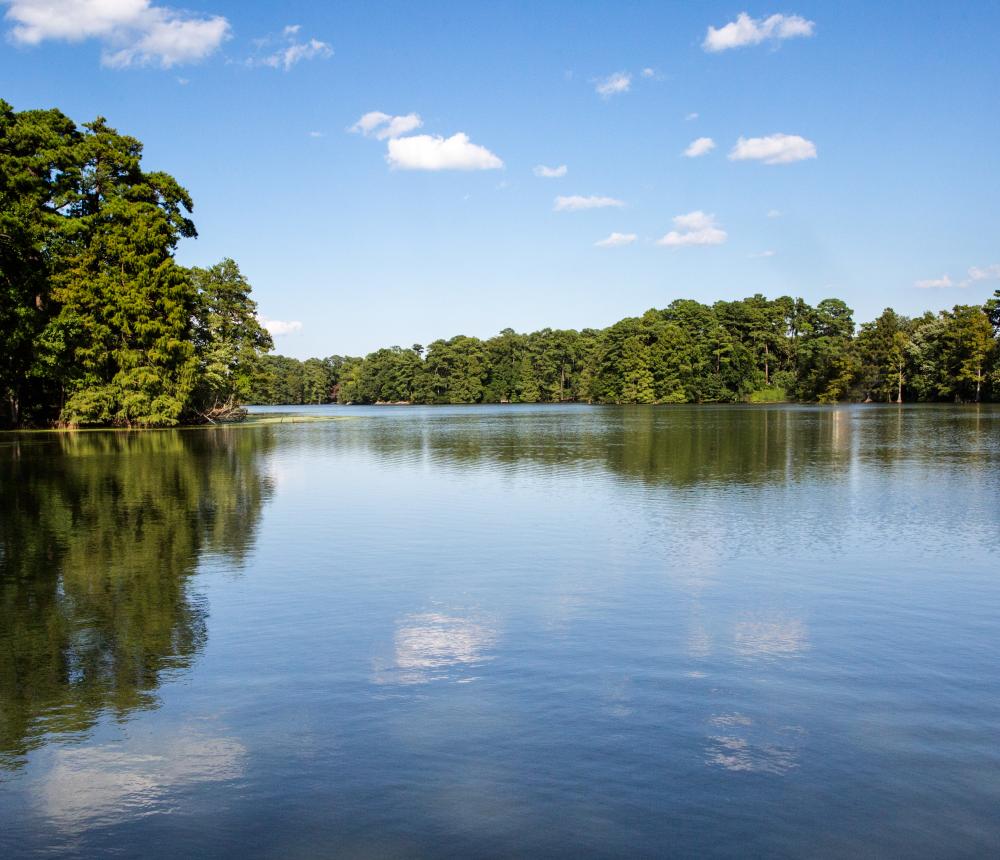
{"x": 505, "y": 631}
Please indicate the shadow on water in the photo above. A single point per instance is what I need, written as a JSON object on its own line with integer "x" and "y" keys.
{"x": 100, "y": 535}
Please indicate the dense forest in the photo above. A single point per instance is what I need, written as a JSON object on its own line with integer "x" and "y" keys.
{"x": 755, "y": 349}
{"x": 100, "y": 326}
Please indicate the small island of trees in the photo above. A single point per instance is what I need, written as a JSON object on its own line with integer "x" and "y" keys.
{"x": 100, "y": 326}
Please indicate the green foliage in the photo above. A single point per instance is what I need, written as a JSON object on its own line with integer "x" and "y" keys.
{"x": 882, "y": 348}
{"x": 757, "y": 350}
{"x": 768, "y": 395}
{"x": 38, "y": 179}
{"x": 98, "y": 323}
{"x": 125, "y": 306}
{"x": 953, "y": 355}
{"x": 228, "y": 338}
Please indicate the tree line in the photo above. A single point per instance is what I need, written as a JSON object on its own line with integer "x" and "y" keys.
{"x": 754, "y": 349}
{"x": 99, "y": 325}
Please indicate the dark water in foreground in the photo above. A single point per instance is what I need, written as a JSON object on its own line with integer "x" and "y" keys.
{"x": 505, "y": 631}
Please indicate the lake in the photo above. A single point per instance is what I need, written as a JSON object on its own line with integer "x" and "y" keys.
{"x": 510, "y": 630}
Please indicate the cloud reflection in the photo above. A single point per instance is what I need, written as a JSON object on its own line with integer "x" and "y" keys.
{"x": 739, "y": 744}
{"x": 433, "y": 646}
{"x": 102, "y": 785}
{"x": 770, "y": 637}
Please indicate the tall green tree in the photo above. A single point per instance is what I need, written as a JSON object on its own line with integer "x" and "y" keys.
{"x": 637, "y": 376}
{"x": 883, "y": 351}
{"x": 39, "y": 179}
{"x": 125, "y": 305}
{"x": 228, "y": 338}
{"x": 975, "y": 348}
{"x": 826, "y": 366}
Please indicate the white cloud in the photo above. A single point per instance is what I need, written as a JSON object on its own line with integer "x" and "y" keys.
{"x": 133, "y": 32}
{"x": 752, "y": 31}
{"x": 289, "y": 51}
{"x": 761, "y": 254}
{"x": 976, "y": 274}
{"x": 616, "y": 240}
{"x": 773, "y": 213}
{"x": 773, "y": 149}
{"x": 427, "y": 152}
{"x": 317, "y": 134}
{"x": 369, "y": 122}
{"x": 576, "y": 202}
{"x": 690, "y": 117}
{"x": 619, "y": 82}
{"x": 648, "y": 73}
{"x": 987, "y": 273}
{"x": 383, "y": 125}
{"x": 550, "y": 172}
{"x": 694, "y": 228}
{"x": 933, "y": 283}
{"x": 400, "y": 125}
{"x": 280, "y": 327}
{"x": 701, "y": 146}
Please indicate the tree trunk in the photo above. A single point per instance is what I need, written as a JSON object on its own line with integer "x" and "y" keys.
{"x": 899, "y": 386}
{"x": 767, "y": 375}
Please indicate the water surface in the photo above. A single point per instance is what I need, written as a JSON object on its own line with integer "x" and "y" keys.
{"x": 502, "y": 631}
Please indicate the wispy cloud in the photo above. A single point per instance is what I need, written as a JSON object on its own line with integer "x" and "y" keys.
{"x": 649, "y": 72}
{"x": 382, "y": 125}
{"x": 132, "y": 32}
{"x": 317, "y": 134}
{"x": 936, "y": 283}
{"x": 700, "y": 146}
{"x": 577, "y": 202}
{"x": 773, "y": 213}
{"x": 550, "y": 172}
{"x": 761, "y": 254}
{"x": 280, "y": 327}
{"x": 690, "y": 117}
{"x": 619, "y": 82}
{"x": 286, "y": 50}
{"x": 773, "y": 149}
{"x": 985, "y": 273}
{"x": 616, "y": 240}
{"x": 694, "y": 228}
{"x": 433, "y": 152}
{"x": 752, "y": 31}
{"x": 976, "y": 274}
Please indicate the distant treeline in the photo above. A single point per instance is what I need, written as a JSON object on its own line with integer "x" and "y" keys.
{"x": 755, "y": 349}
{"x": 99, "y": 325}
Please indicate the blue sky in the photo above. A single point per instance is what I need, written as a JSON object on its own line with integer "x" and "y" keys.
{"x": 888, "y": 173}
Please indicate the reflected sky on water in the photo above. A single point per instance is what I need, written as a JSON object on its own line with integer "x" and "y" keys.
{"x": 505, "y": 630}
